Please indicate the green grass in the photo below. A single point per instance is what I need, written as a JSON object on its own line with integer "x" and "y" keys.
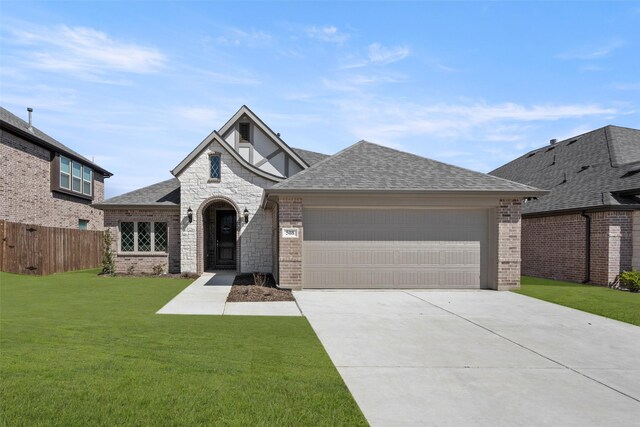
{"x": 618, "y": 305}
{"x": 77, "y": 349}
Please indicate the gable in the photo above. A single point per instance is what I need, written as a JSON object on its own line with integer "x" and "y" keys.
{"x": 258, "y": 148}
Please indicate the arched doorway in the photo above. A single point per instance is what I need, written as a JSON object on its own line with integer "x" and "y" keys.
{"x": 219, "y": 236}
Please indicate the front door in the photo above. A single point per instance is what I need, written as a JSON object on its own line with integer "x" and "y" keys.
{"x": 225, "y": 239}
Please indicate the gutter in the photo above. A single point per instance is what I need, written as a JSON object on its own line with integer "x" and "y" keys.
{"x": 587, "y": 230}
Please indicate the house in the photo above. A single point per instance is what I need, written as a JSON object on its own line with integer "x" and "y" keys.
{"x": 587, "y": 229}
{"x": 366, "y": 217}
{"x": 44, "y": 182}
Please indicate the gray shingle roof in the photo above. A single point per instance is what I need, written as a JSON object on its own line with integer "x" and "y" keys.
{"x": 39, "y": 137}
{"x": 311, "y": 157}
{"x": 162, "y": 194}
{"x": 586, "y": 171}
{"x": 370, "y": 167}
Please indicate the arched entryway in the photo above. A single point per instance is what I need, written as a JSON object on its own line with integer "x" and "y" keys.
{"x": 218, "y": 235}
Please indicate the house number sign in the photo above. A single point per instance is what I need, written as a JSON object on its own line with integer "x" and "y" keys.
{"x": 290, "y": 233}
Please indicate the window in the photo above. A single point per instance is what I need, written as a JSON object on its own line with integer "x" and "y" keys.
{"x": 83, "y": 224}
{"x": 143, "y": 237}
{"x": 75, "y": 177}
{"x": 65, "y": 173}
{"x": 245, "y": 132}
{"x": 214, "y": 166}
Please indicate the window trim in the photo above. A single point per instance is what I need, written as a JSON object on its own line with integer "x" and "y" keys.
{"x": 152, "y": 232}
{"x": 219, "y": 156}
{"x": 57, "y": 173}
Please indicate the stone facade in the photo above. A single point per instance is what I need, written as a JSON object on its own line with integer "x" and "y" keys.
{"x": 242, "y": 189}
{"x": 290, "y": 257}
{"x": 127, "y": 262}
{"x": 554, "y": 247}
{"x": 508, "y": 221}
{"x": 25, "y": 189}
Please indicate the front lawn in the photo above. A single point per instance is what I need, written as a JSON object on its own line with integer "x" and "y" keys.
{"x": 619, "y": 305}
{"x": 77, "y": 349}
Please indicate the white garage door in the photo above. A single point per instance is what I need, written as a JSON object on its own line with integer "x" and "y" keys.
{"x": 391, "y": 248}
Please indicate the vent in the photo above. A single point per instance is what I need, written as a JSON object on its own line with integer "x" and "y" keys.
{"x": 553, "y": 141}
{"x": 631, "y": 172}
{"x": 245, "y": 132}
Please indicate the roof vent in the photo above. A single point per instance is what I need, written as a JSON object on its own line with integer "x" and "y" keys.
{"x": 631, "y": 172}
{"x": 584, "y": 168}
{"x": 30, "y": 110}
{"x": 553, "y": 141}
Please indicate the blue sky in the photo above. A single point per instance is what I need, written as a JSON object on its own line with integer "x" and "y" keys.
{"x": 137, "y": 85}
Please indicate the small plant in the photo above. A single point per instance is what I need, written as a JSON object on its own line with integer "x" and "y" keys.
{"x": 158, "y": 269}
{"x": 630, "y": 280}
{"x": 131, "y": 269}
{"x": 108, "y": 263}
{"x": 259, "y": 279}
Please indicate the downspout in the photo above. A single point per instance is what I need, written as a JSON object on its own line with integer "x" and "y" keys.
{"x": 587, "y": 240}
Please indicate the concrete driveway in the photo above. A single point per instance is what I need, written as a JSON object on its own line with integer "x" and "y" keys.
{"x": 477, "y": 358}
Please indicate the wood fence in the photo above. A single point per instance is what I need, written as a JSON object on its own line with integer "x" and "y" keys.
{"x": 34, "y": 249}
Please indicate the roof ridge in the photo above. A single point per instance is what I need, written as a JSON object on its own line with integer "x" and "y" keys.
{"x": 447, "y": 164}
{"x": 141, "y": 188}
{"x": 314, "y": 166}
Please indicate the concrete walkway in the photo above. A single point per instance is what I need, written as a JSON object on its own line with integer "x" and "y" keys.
{"x": 208, "y": 295}
{"x": 477, "y": 358}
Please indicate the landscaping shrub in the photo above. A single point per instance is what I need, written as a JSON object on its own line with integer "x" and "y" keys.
{"x": 630, "y": 280}
{"x": 108, "y": 263}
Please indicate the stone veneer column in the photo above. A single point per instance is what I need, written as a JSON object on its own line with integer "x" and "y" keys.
{"x": 509, "y": 244}
{"x": 611, "y": 245}
{"x": 290, "y": 253}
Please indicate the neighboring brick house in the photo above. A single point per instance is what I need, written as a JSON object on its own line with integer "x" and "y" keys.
{"x": 366, "y": 217}
{"x": 44, "y": 182}
{"x": 587, "y": 229}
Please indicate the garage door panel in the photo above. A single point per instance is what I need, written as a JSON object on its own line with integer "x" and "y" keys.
{"x": 431, "y": 249}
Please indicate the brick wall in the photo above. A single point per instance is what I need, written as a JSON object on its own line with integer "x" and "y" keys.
{"x": 553, "y": 247}
{"x": 635, "y": 235}
{"x": 611, "y": 245}
{"x": 142, "y": 262}
{"x": 290, "y": 257}
{"x": 508, "y": 220}
{"x": 25, "y": 189}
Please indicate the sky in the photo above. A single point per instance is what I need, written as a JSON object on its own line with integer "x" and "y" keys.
{"x": 137, "y": 85}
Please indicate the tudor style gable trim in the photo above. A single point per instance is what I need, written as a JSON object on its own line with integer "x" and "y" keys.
{"x": 219, "y": 136}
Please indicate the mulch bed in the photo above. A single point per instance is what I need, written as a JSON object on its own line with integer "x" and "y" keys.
{"x": 245, "y": 290}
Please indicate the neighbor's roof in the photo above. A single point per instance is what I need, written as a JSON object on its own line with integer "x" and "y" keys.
{"x": 370, "y": 167}
{"x": 597, "y": 169}
{"x": 311, "y": 157}
{"x": 162, "y": 194}
{"x": 16, "y": 124}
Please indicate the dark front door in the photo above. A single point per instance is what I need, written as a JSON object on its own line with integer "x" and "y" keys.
{"x": 225, "y": 239}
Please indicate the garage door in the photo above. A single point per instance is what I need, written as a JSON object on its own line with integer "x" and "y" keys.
{"x": 391, "y": 248}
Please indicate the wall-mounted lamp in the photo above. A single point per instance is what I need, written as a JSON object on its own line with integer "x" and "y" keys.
{"x": 190, "y": 215}
{"x": 246, "y": 216}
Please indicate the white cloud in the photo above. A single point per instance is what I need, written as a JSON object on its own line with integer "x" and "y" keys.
{"x": 82, "y": 51}
{"x": 592, "y": 52}
{"x": 625, "y": 86}
{"x": 236, "y": 37}
{"x": 327, "y": 33}
{"x": 381, "y": 55}
{"x": 378, "y": 54}
{"x": 392, "y": 120}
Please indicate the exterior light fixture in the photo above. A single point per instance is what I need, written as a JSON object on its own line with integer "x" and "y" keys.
{"x": 190, "y": 215}
{"x": 246, "y": 216}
